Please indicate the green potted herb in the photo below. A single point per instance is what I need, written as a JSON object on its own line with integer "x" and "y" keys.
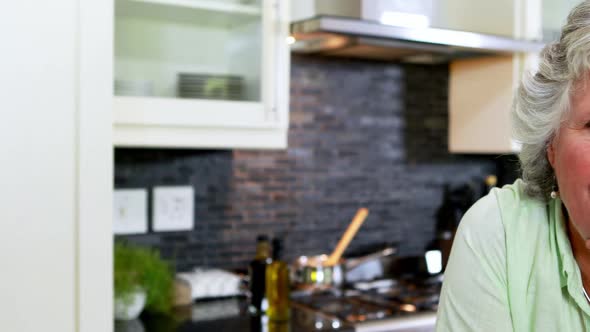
{"x": 141, "y": 277}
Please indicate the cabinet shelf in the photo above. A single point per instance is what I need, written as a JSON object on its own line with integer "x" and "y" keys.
{"x": 201, "y": 12}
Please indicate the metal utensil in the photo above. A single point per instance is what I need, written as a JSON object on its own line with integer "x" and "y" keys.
{"x": 311, "y": 273}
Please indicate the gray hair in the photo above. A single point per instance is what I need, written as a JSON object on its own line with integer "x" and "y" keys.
{"x": 542, "y": 100}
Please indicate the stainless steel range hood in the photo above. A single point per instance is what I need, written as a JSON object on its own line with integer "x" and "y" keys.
{"x": 351, "y": 37}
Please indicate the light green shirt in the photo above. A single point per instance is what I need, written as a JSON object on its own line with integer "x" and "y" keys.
{"x": 512, "y": 269}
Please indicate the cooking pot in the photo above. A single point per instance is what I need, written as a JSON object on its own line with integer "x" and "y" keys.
{"x": 314, "y": 273}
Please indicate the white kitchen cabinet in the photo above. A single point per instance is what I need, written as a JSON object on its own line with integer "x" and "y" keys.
{"x": 56, "y": 237}
{"x": 201, "y": 73}
{"x": 481, "y": 90}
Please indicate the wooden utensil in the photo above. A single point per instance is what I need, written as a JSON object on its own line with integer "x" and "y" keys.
{"x": 350, "y": 232}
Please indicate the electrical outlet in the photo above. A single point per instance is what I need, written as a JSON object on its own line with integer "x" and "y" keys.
{"x": 130, "y": 211}
{"x": 173, "y": 208}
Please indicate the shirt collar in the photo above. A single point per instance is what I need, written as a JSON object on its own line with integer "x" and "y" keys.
{"x": 570, "y": 273}
{"x": 564, "y": 249}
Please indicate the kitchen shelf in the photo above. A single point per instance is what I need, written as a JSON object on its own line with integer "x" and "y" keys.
{"x": 201, "y": 12}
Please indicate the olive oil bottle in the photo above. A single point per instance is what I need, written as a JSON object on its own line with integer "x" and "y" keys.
{"x": 257, "y": 272}
{"x": 277, "y": 285}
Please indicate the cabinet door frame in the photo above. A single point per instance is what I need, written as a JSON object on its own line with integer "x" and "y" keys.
{"x": 93, "y": 190}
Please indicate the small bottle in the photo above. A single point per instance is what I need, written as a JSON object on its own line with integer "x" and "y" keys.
{"x": 257, "y": 272}
{"x": 277, "y": 285}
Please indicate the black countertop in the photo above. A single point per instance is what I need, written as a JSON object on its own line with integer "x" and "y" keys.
{"x": 220, "y": 316}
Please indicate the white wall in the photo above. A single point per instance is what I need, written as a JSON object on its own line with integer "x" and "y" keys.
{"x": 555, "y": 13}
{"x": 348, "y": 8}
{"x": 493, "y": 17}
{"x": 37, "y": 241}
{"x": 304, "y": 9}
{"x": 45, "y": 133}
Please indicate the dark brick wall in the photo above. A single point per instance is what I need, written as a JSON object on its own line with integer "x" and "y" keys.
{"x": 361, "y": 134}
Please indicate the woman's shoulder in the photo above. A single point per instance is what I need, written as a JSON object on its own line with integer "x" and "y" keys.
{"x": 494, "y": 244}
{"x": 514, "y": 196}
{"x": 518, "y": 209}
{"x": 503, "y": 212}
{"x": 481, "y": 227}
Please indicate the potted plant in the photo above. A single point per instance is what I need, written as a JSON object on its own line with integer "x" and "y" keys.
{"x": 141, "y": 278}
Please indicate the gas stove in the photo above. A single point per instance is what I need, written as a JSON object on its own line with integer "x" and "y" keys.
{"x": 383, "y": 305}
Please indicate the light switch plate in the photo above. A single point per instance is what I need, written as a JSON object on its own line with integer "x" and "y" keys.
{"x": 173, "y": 208}
{"x": 130, "y": 211}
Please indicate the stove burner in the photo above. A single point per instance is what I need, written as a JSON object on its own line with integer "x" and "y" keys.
{"x": 355, "y": 306}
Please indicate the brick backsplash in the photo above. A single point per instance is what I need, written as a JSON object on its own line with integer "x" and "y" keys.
{"x": 361, "y": 134}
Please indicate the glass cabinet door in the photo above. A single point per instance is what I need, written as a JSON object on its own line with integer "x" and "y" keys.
{"x": 190, "y": 49}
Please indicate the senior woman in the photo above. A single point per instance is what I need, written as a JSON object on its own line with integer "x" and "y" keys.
{"x": 521, "y": 256}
